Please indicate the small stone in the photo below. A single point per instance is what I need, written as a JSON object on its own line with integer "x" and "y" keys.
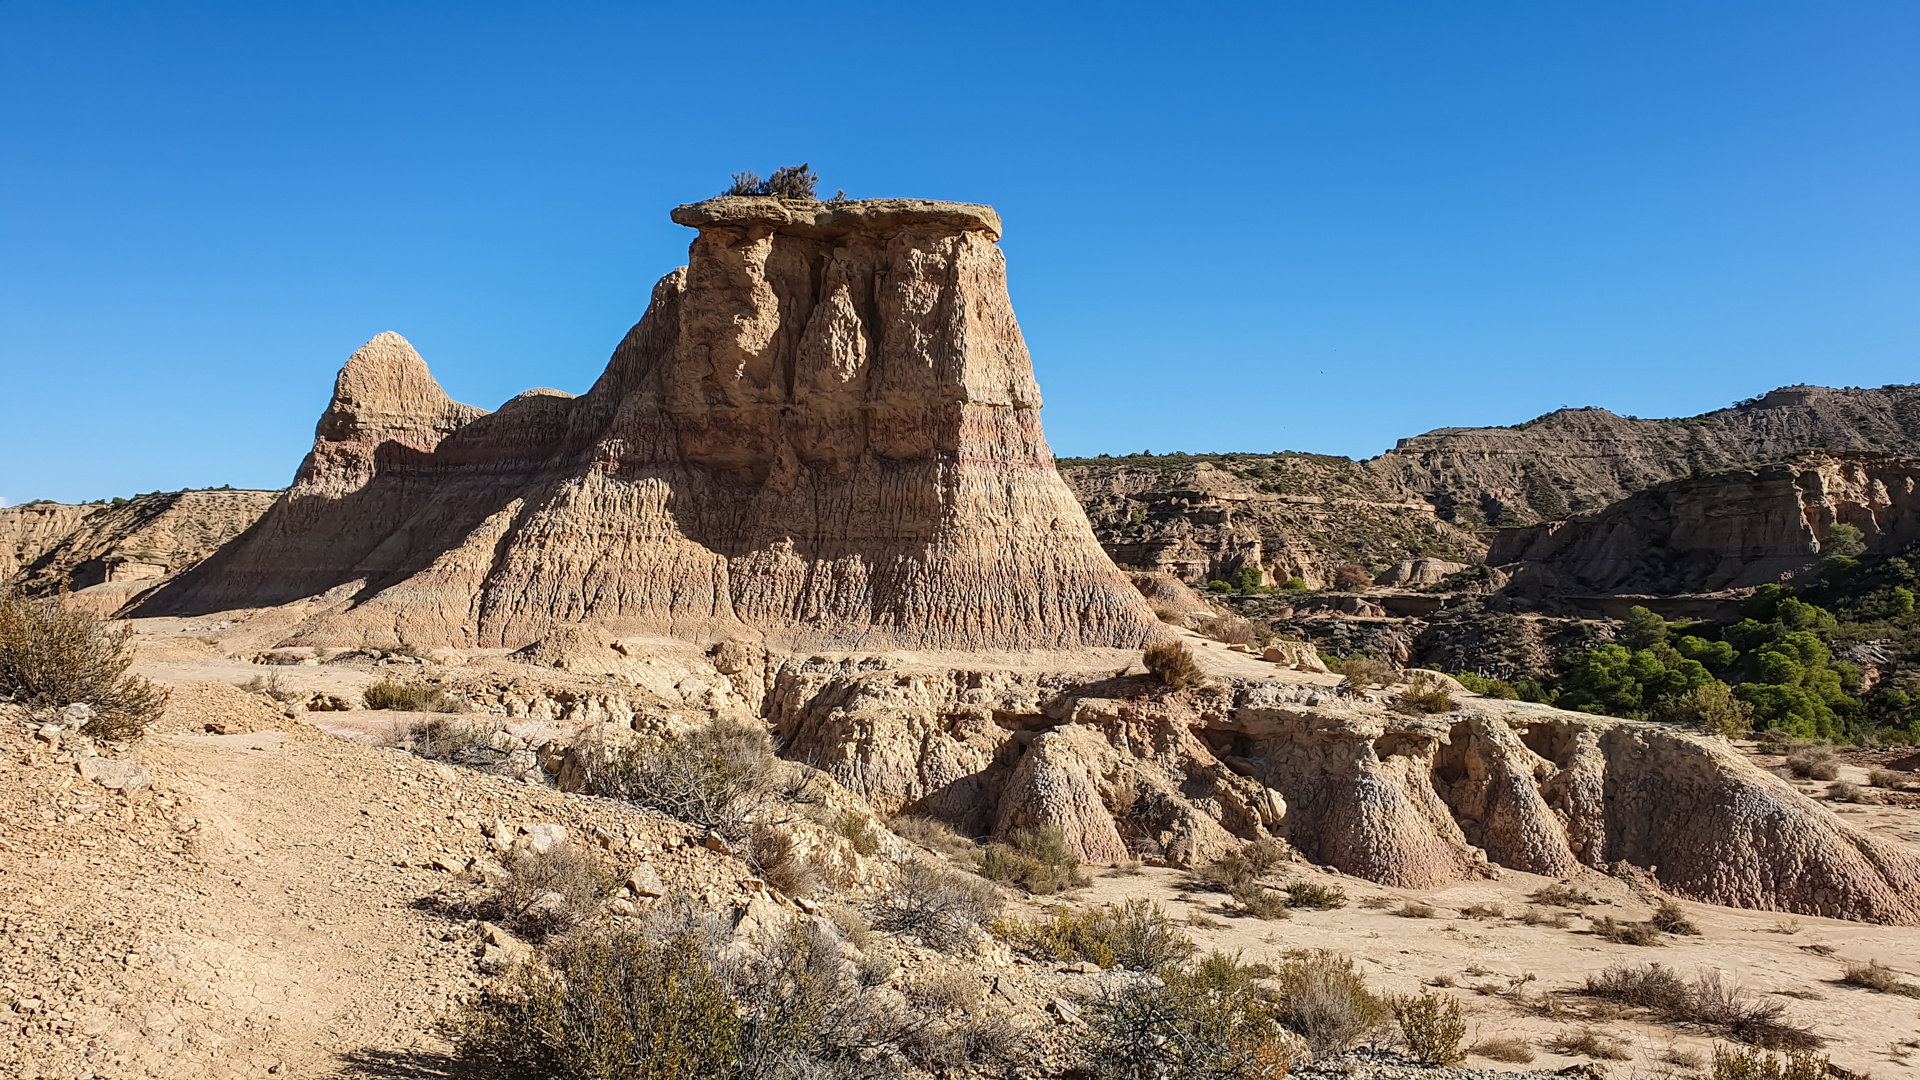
{"x": 715, "y": 842}
{"x": 622, "y": 906}
{"x": 1083, "y": 967}
{"x": 644, "y": 881}
{"x": 541, "y": 839}
{"x": 1065, "y": 1011}
{"x": 448, "y": 863}
{"x": 114, "y": 775}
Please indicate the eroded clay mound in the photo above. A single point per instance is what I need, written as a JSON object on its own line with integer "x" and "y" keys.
{"x": 1416, "y": 802}
{"x": 825, "y": 429}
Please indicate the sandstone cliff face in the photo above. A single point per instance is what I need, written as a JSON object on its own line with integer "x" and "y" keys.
{"x": 1724, "y": 530}
{"x": 1416, "y": 802}
{"x": 825, "y": 429}
{"x": 1433, "y": 494}
{"x": 107, "y": 554}
{"x": 1286, "y": 516}
{"x": 28, "y": 532}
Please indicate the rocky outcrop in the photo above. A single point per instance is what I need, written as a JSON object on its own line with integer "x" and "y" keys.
{"x": 1293, "y": 514}
{"x": 1288, "y": 516}
{"x": 824, "y": 430}
{"x": 106, "y": 554}
{"x": 1724, "y": 530}
{"x": 1420, "y": 802}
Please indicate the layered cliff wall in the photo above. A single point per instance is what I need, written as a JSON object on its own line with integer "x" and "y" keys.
{"x": 108, "y": 553}
{"x": 824, "y": 429}
{"x": 1730, "y": 529}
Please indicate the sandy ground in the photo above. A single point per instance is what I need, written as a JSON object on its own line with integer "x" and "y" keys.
{"x": 259, "y": 910}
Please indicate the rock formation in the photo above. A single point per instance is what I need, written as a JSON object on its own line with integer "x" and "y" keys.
{"x": 1723, "y": 530}
{"x": 825, "y": 429}
{"x": 1417, "y": 802}
{"x": 1207, "y": 516}
{"x": 107, "y": 554}
{"x": 1293, "y": 515}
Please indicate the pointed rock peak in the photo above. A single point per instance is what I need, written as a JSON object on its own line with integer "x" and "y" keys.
{"x": 386, "y": 375}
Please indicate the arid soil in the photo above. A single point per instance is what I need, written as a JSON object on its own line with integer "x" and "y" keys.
{"x": 270, "y": 905}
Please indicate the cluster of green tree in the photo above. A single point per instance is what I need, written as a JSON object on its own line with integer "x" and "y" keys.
{"x": 1774, "y": 668}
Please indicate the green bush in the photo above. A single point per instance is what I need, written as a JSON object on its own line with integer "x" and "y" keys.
{"x": 1039, "y": 862}
{"x": 1432, "y": 1028}
{"x": 1755, "y": 1064}
{"x": 408, "y": 697}
{"x": 1713, "y": 708}
{"x": 1136, "y": 935}
{"x": 53, "y": 655}
{"x": 1493, "y": 688}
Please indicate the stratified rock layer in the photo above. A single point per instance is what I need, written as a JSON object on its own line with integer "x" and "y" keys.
{"x": 825, "y": 429}
{"x": 106, "y": 554}
{"x": 1730, "y": 529}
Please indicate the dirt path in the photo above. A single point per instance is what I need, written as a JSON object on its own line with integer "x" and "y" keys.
{"x": 257, "y": 912}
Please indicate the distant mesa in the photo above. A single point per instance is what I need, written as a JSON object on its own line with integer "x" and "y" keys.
{"x": 824, "y": 430}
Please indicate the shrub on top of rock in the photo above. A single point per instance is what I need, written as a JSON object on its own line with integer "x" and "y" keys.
{"x": 1172, "y": 664}
{"x": 787, "y": 182}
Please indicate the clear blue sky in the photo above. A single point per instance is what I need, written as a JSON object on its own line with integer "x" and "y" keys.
{"x": 1276, "y": 226}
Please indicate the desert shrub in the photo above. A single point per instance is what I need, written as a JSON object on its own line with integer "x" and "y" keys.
{"x": 1705, "y": 1000}
{"x": 940, "y": 906}
{"x": 1814, "y": 761}
{"x": 1432, "y": 1028}
{"x": 852, "y": 925}
{"x": 1172, "y": 664}
{"x": 935, "y": 836}
{"x": 1351, "y": 577}
{"x": 1295, "y": 585}
{"x": 945, "y": 991}
{"x": 1671, "y": 918}
{"x": 1878, "y": 977}
{"x": 1255, "y": 899}
{"x": 53, "y": 655}
{"x": 1231, "y": 629}
{"x": 1423, "y": 696}
{"x": 1361, "y": 671}
{"x": 1307, "y": 894}
{"x": 858, "y": 830}
{"x": 1586, "y": 1042}
{"x": 1484, "y": 911}
{"x": 1321, "y": 996}
{"x": 1205, "y": 1021}
{"x": 1626, "y": 933}
{"x": 1136, "y": 935}
{"x": 1883, "y": 778}
{"x": 442, "y": 737}
{"x": 1508, "y": 1048}
{"x": 1711, "y": 707}
{"x": 787, "y": 182}
{"x": 550, "y": 891}
{"x": 408, "y": 697}
{"x": 1561, "y": 895}
{"x": 273, "y": 686}
{"x": 1754, "y": 1064}
{"x": 713, "y": 776}
{"x": 1039, "y": 862}
{"x": 1535, "y": 917}
{"x": 774, "y": 856}
{"x": 1413, "y": 909}
{"x": 1241, "y": 865}
{"x": 605, "y": 1006}
{"x": 1376, "y": 902}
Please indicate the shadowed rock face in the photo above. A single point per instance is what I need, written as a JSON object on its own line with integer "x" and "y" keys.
{"x": 1724, "y": 530}
{"x": 825, "y": 429}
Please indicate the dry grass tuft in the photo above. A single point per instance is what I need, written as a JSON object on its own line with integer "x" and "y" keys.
{"x": 1626, "y": 933}
{"x": 1562, "y": 895}
{"x": 1670, "y": 918}
{"x": 1508, "y": 1048}
{"x": 1586, "y": 1042}
{"x": 1415, "y": 910}
{"x": 1875, "y": 976}
{"x": 1484, "y": 911}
